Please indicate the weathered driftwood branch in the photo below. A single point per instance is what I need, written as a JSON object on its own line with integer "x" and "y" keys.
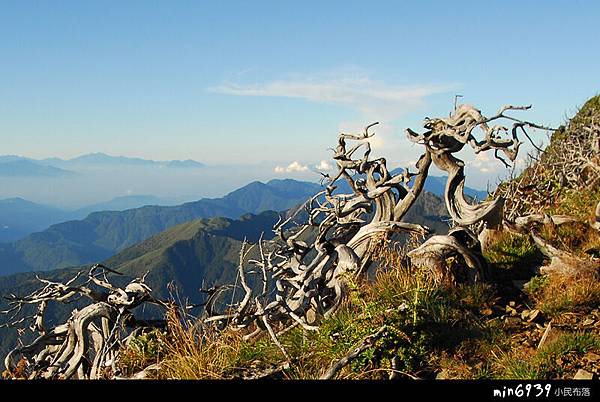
{"x": 443, "y": 138}
{"x": 562, "y": 262}
{"x": 302, "y": 275}
{"x": 460, "y": 242}
{"x": 446, "y": 136}
{"x": 86, "y": 345}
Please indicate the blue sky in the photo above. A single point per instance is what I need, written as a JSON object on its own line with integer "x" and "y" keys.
{"x": 273, "y": 82}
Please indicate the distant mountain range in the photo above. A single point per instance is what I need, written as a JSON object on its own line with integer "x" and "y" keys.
{"x": 101, "y": 159}
{"x": 18, "y": 166}
{"x": 102, "y": 234}
{"x": 190, "y": 254}
{"x": 121, "y": 204}
{"x": 27, "y": 168}
{"x": 20, "y": 218}
{"x": 201, "y": 250}
{"x": 194, "y": 254}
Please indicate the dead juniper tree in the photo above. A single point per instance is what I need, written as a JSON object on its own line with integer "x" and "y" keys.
{"x": 303, "y": 274}
{"x": 86, "y": 346}
{"x": 445, "y": 137}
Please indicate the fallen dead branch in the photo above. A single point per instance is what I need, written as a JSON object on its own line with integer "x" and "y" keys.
{"x": 87, "y": 344}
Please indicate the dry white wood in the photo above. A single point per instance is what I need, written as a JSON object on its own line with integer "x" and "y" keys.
{"x": 90, "y": 339}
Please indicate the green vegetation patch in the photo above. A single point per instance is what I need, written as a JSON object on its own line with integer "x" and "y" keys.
{"x": 512, "y": 251}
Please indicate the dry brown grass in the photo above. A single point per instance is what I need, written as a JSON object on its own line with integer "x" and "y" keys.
{"x": 568, "y": 293}
{"x": 196, "y": 352}
{"x": 574, "y": 237}
{"x": 455, "y": 367}
{"x": 19, "y": 373}
{"x": 395, "y": 275}
{"x": 441, "y": 322}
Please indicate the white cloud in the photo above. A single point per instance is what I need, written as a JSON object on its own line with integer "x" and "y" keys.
{"x": 353, "y": 89}
{"x": 295, "y": 166}
{"x": 356, "y": 90}
{"x": 324, "y": 166}
{"x": 484, "y": 163}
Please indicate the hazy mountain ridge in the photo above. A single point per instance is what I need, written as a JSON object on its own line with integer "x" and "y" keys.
{"x": 26, "y": 168}
{"x": 122, "y": 203}
{"x": 258, "y": 196}
{"x": 14, "y": 165}
{"x": 19, "y": 217}
{"x": 102, "y": 234}
{"x": 192, "y": 253}
{"x": 102, "y": 159}
{"x": 168, "y": 243}
{"x": 196, "y": 253}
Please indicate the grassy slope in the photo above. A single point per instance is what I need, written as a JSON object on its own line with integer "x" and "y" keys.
{"x": 434, "y": 332}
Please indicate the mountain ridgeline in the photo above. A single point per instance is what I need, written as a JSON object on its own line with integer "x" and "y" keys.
{"x": 102, "y": 234}
{"x": 19, "y": 217}
{"x": 195, "y": 254}
{"x": 26, "y": 168}
{"x": 18, "y": 166}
